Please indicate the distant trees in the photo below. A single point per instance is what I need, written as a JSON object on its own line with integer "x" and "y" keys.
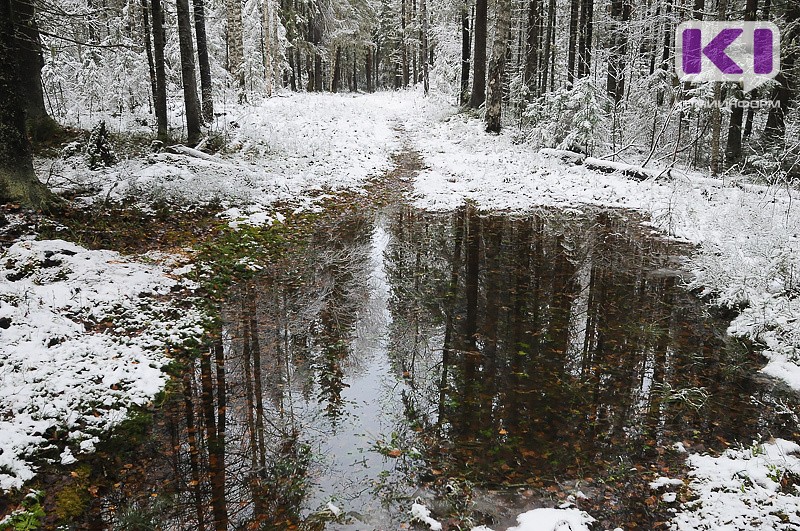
{"x": 549, "y": 55}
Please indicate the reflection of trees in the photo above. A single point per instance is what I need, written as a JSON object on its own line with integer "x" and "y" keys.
{"x": 539, "y": 347}
{"x": 243, "y": 451}
{"x": 548, "y": 343}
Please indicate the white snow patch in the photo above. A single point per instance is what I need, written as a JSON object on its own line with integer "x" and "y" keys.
{"x": 423, "y": 514}
{"x": 553, "y": 520}
{"x": 81, "y": 342}
{"x": 742, "y": 490}
{"x": 664, "y": 482}
{"x": 335, "y": 511}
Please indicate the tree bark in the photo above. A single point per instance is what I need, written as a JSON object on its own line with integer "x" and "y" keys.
{"x": 466, "y": 45}
{"x": 149, "y": 48}
{"x": 775, "y": 128}
{"x": 478, "y": 95}
{"x": 29, "y": 46}
{"x": 190, "y": 99}
{"x": 206, "y": 89}
{"x": 337, "y": 70}
{"x": 235, "y": 41}
{"x": 423, "y": 12}
{"x": 532, "y": 46}
{"x": 267, "y": 25}
{"x": 585, "y": 41}
{"x": 160, "y": 100}
{"x": 716, "y": 112}
{"x": 368, "y": 69}
{"x": 18, "y": 182}
{"x": 494, "y": 92}
{"x": 546, "y": 64}
{"x": 620, "y": 13}
{"x": 404, "y": 42}
{"x": 572, "y": 46}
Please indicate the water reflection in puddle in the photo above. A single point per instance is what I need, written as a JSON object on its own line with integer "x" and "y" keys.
{"x": 485, "y": 364}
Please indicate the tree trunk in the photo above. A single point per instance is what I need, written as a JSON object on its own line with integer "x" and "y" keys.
{"x": 494, "y": 92}
{"x": 585, "y": 38}
{"x": 368, "y": 69}
{"x": 466, "y": 46}
{"x": 149, "y": 49}
{"x": 18, "y": 182}
{"x": 191, "y": 102}
{"x": 478, "y": 95}
{"x": 423, "y": 12}
{"x": 337, "y": 70}
{"x": 532, "y": 46}
{"x": 29, "y": 45}
{"x": 716, "y": 112}
{"x": 404, "y": 42}
{"x": 545, "y": 64}
{"x": 775, "y": 128}
{"x": 235, "y": 41}
{"x": 267, "y": 28}
{"x": 202, "y": 57}
{"x": 316, "y": 40}
{"x": 620, "y": 13}
{"x": 160, "y": 101}
{"x": 572, "y": 46}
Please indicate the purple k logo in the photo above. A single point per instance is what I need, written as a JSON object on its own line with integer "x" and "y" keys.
{"x": 727, "y": 51}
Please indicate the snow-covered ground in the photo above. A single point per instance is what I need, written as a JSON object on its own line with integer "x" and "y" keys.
{"x": 295, "y": 149}
{"x": 289, "y": 149}
{"x": 82, "y": 337}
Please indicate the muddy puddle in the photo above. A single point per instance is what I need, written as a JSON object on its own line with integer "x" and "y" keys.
{"x": 484, "y": 365}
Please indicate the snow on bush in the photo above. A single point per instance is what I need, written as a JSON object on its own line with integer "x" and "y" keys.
{"x": 82, "y": 338}
{"x": 752, "y": 488}
{"x": 423, "y": 514}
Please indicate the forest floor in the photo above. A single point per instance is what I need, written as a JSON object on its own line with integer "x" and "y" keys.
{"x": 63, "y": 385}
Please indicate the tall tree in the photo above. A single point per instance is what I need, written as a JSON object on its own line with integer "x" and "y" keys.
{"x": 235, "y": 41}
{"x": 478, "y": 95}
{"x": 466, "y": 45}
{"x": 775, "y": 128}
{"x": 733, "y": 148}
{"x": 29, "y": 46}
{"x": 160, "y": 98}
{"x": 585, "y": 38}
{"x": 266, "y": 24}
{"x": 546, "y": 65}
{"x": 532, "y": 45}
{"x": 494, "y": 92}
{"x": 206, "y": 89}
{"x": 621, "y": 14}
{"x": 18, "y": 182}
{"x": 404, "y": 41}
{"x": 337, "y": 70}
{"x": 423, "y": 12}
{"x": 148, "y": 46}
{"x": 572, "y": 44}
{"x": 716, "y": 112}
{"x": 188, "y": 76}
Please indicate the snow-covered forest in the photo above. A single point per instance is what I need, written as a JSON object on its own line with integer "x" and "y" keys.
{"x": 395, "y": 264}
